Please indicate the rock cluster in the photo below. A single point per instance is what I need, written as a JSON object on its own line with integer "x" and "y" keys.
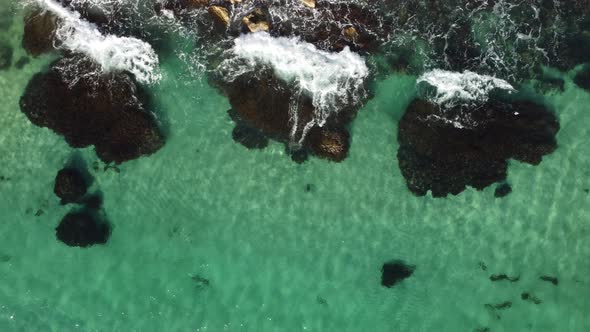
{"x": 446, "y": 149}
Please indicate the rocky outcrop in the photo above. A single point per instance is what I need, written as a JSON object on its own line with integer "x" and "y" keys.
{"x": 446, "y": 149}
{"x": 264, "y": 103}
{"x": 104, "y": 110}
{"x": 83, "y": 229}
{"x": 394, "y": 272}
{"x": 39, "y": 34}
{"x": 70, "y": 185}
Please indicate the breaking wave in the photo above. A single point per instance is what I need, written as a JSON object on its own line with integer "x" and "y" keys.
{"x": 445, "y": 87}
{"x": 113, "y": 53}
{"x": 331, "y": 80}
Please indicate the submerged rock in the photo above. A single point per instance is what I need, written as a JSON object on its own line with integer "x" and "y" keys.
{"x": 550, "y": 279}
{"x": 39, "y": 34}
{"x": 582, "y": 79}
{"x": 445, "y": 149}
{"x": 70, "y": 185}
{"x": 91, "y": 108}
{"x": 394, "y": 272}
{"x": 530, "y": 298}
{"x": 82, "y": 229}
{"x": 500, "y": 277}
{"x": 249, "y": 137}
{"x": 502, "y": 190}
{"x": 5, "y": 56}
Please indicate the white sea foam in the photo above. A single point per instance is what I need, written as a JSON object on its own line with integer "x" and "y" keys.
{"x": 331, "y": 80}
{"x": 110, "y": 51}
{"x": 464, "y": 87}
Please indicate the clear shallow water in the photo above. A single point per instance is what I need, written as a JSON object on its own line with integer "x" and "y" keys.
{"x": 279, "y": 258}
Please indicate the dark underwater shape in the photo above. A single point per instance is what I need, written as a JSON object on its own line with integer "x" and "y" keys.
{"x": 502, "y": 190}
{"x": 500, "y": 277}
{"x": 394, "y": 272}
{"x": 5, "y": 56}
{"x": 530, "y": 298}
{"x": 550, "y": 279}
{"x": 82, "y": 228}
{"x": 249, "y": 137}
{"x": 70, "y": 185}
{"x": 447, "y": 149}
{"x": 104, "y": 110}
{"x": 582, "y": 79}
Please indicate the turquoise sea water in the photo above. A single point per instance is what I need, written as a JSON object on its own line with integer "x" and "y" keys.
{"x": 279, "y": 257}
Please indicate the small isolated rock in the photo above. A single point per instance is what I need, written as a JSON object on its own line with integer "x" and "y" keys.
{"x": 82, "y": 229}
{"x": 70, "y": 185}
{"x": 394, "y": 272}
{"x": 350, "y": 34}
{"x": 220, "y": 15}
{"x": 309, "y": 3}
{"x": 550, "y": 279}
{"x": 258, "y": 20}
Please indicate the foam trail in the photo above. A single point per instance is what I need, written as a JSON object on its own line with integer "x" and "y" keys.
{"x": 466, "y": 86}
{"x": 331, "y": 80}
{"x": 111, "y": 52}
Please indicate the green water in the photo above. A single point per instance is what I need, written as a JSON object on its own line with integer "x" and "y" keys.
{"x": 280, "y": 258}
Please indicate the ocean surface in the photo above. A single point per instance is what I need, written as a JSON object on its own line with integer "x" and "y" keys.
{"x": 210, "y": 236}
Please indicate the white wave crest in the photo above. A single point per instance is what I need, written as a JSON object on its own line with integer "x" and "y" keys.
{"x": 111, "y": 52}
{"x": 466, "y": 86}
{"x": 331, "y": 80}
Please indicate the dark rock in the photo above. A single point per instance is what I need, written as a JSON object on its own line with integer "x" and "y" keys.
{"x": 530, "y": 298}
{"x": 482, "y": 329}
{"x": 502, "y": 305}
{"x": 550, "y": 279}
{"x": 500, "y": 277}
{"x": 5, "y": 56}
{"x": 249, "y": 137}
{"x": 502, "y": 190}
{"x": 308, "y": 187}
{"x": 39, "y": 34}
{"x": 104, "y": 110}
{"x": 446, "y": 149}
{"x": 22, "y": 62}
{"x": 39, "y": 213}
{"x": 82, "y": 229}
{"x": 70, "y": 185}
{"x": 93, "y": 202}
{"x": 582, "y": 79}
{"x": 394, "y": 272}
{"x": 263, "y": 102}
{"x": 299, "y": 156}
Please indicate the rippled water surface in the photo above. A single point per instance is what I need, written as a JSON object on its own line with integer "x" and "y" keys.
{"x": 210, "y": 236}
